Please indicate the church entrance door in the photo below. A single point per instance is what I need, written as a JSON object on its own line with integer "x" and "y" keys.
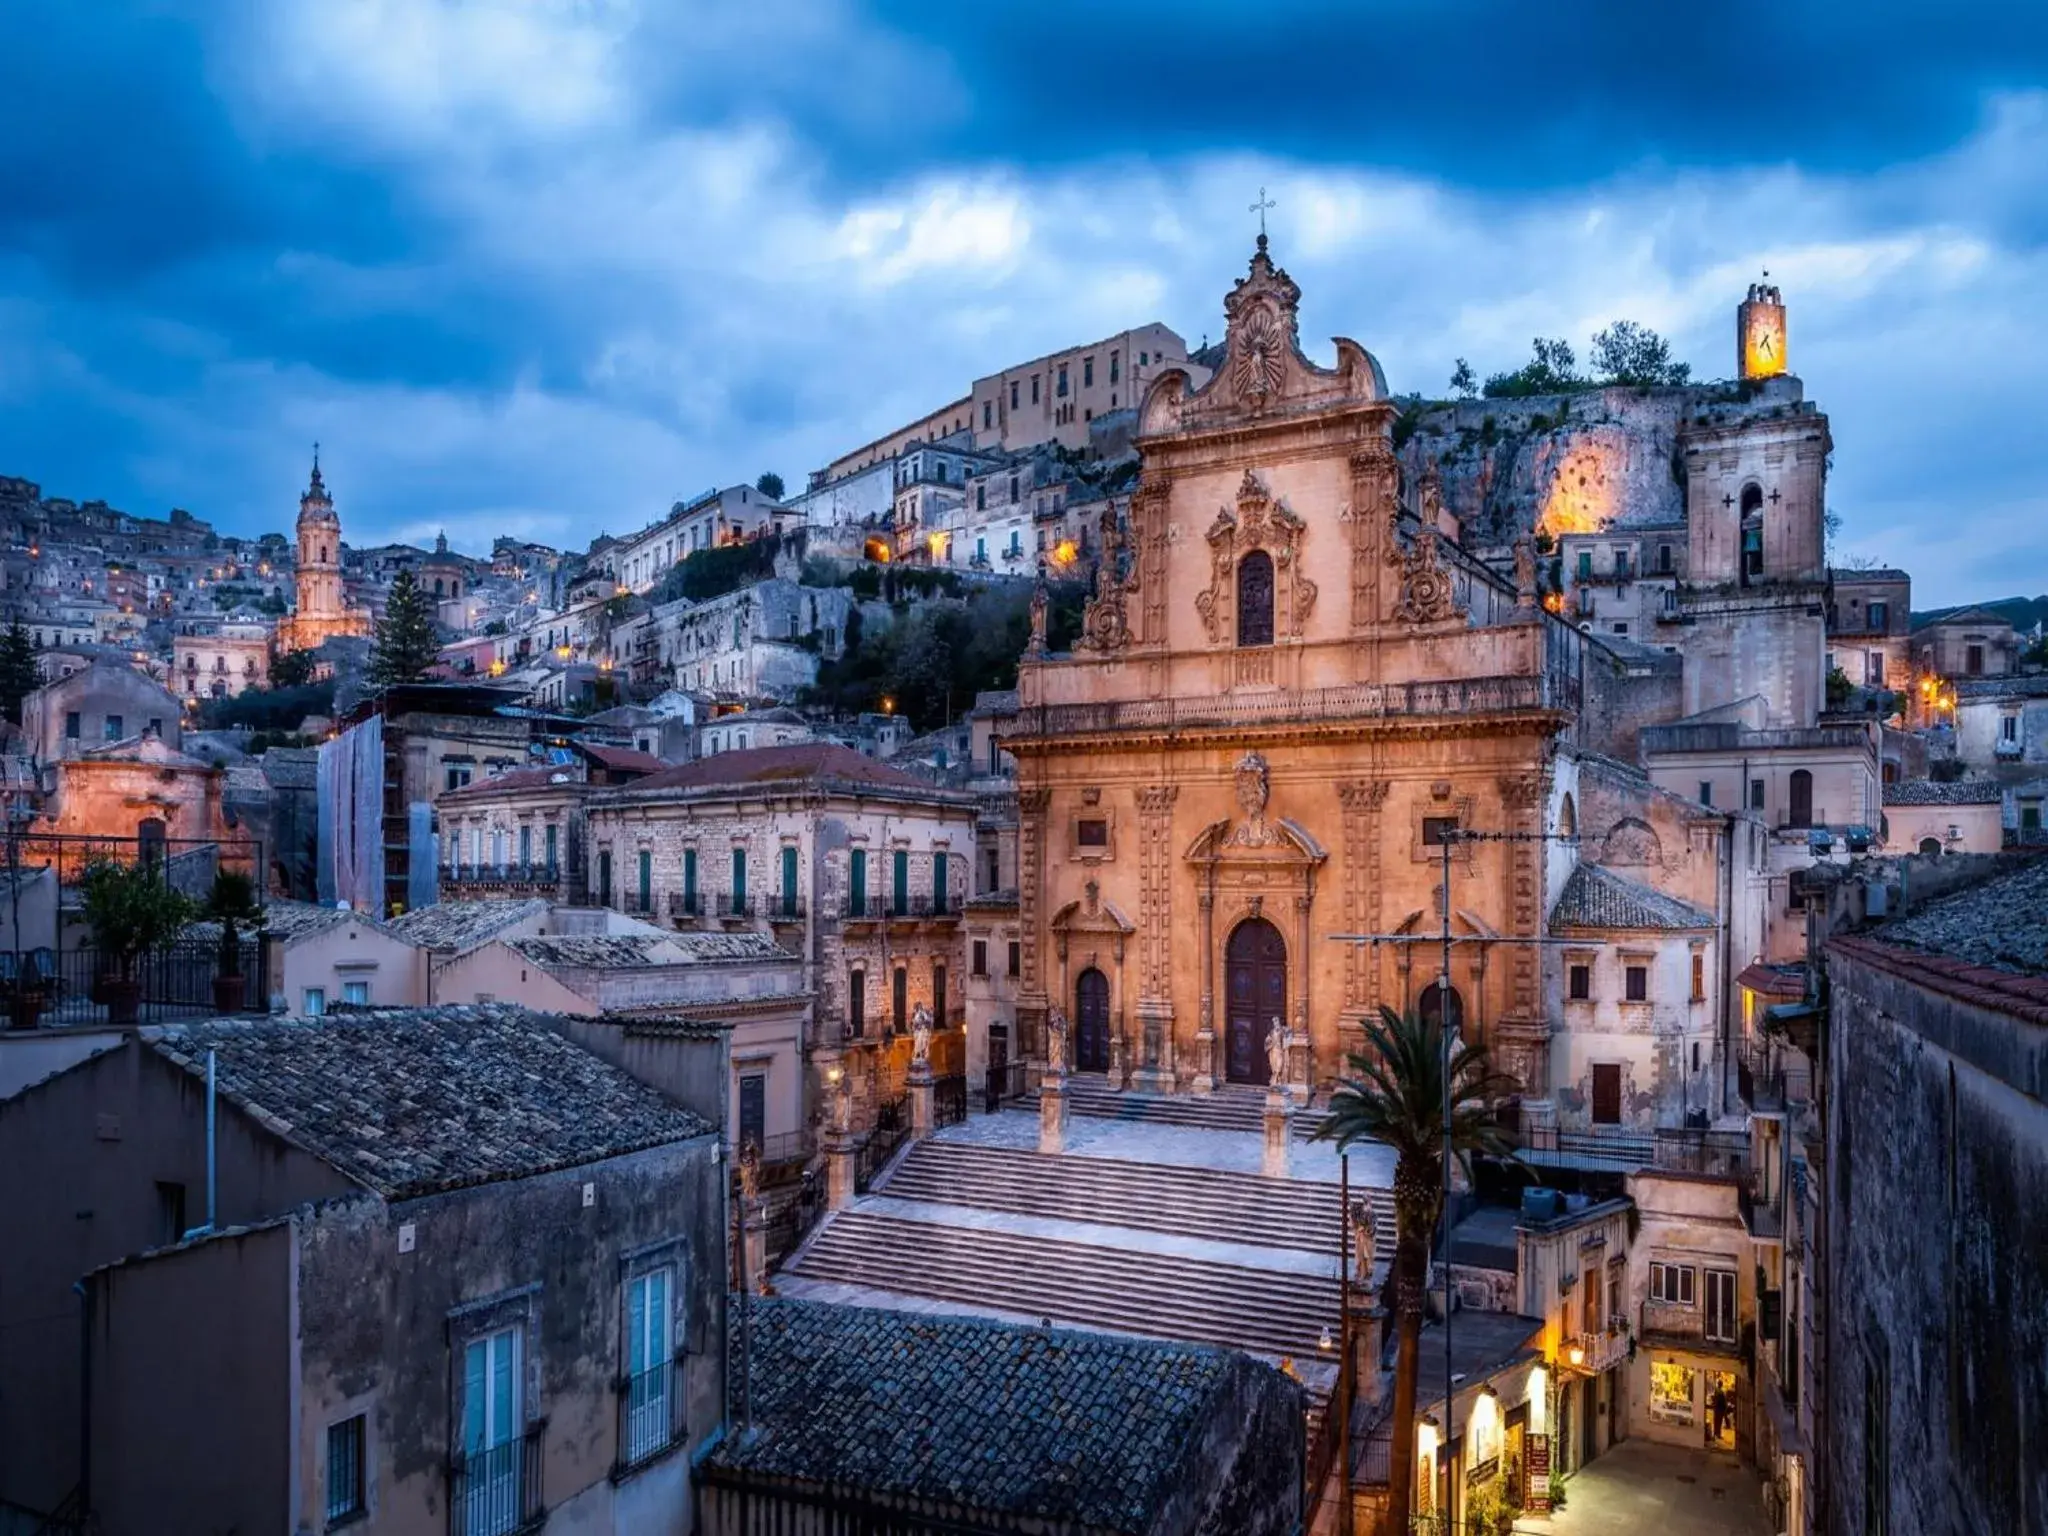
{"x": 1091, "y": 1022}
{"x": 1255, "y": 993}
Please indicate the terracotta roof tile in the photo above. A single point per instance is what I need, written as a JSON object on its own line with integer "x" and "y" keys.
{"x": 1594, "y": 897}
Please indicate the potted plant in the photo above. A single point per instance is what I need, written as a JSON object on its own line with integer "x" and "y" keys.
{"x": 132, "y": 912}
{"x": 232, "y": 904}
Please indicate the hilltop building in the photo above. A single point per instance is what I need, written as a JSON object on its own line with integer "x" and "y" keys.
{"x": 323, "y": 610}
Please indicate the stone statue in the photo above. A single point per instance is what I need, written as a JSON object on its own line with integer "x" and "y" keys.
{"x": 1055, "y": 1040}
{"x": 1040, "y": 601}
{"x": 1525, "y": 573}
{"x": 1276, "y": 1051}
{"x": 920, "y": 1036}
{"x": 1361, "y": 1242}
{"x": 750, "y": 1173}
{"x": 842, "y": 1107}
{"x": 1253, "y": 791}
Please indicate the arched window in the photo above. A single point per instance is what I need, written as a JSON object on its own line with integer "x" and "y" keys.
{"x": 1752, "y": 533}
{"x": 323, "y": 554}
{"x": 1255, "y": 599}
{"x": 1931, "y": 845}
{"x": 1431, "y": 1005}
{"x": 455, "y": 588}
{"x": 1568, "y": 819}
{"x": 437, "y": 587}
{"x": 1802, "y": 799}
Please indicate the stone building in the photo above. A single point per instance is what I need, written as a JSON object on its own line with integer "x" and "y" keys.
{"x": 1937, "y": 1216}
{"x": 1933, "y": 817}
{"x": 857, "y": 868}
{"x": 1870, "y": 622}
{"x": 323, "y": 610}
{"x": 519, "y": 831}
{"x": 373, "y": 1320}
{"x": 2001, "y": 724}
{"x": 97, "y": 705}
{"x": 219, "y": 659}
{"x": 760, "y": 642}
{"x": 1288, "y": 690}
{"x": 1965, "y": 642}
{"x": 906, "y": 1423}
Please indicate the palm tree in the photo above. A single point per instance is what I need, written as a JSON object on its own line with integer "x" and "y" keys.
{"x": 1396, "y": 1097}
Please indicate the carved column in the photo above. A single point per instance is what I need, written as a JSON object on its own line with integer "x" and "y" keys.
{"x": 1301, "y": 1059}
{"x": 1372, "y": 499}
{"x": 1032, "y": 804}
{"x": 1205, "y": 1034}
{"x": 1148, "y": 564}
{"x": 1154, "y": 1057}
{"x": 1119, "y": 1041}
{"x": 1362, "y": 800}
{"x": 1524, "y": 1033}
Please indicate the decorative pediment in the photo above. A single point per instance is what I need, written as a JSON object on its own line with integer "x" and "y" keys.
{"x": 1258, "y": 520}
{"x": 1263, "y": 369}
{"x": 1091, "y": 914}
{"x": 1290, "y": 845}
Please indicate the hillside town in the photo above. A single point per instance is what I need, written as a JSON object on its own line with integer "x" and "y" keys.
{"x": 917, "y": 998}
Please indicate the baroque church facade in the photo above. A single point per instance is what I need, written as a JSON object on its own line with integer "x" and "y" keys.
{"x": 1235, "y": 791}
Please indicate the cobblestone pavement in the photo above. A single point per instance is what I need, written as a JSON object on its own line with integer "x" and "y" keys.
{"x": 1657, "y": 1490}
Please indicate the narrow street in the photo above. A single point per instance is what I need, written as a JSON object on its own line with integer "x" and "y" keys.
{"x": 1640, "y": 1487}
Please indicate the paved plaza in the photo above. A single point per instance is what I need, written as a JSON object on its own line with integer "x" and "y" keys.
{"x": 1640, "y": 1487}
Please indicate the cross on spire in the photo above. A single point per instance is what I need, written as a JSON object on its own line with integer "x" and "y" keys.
{"x": 1260, "y": 208}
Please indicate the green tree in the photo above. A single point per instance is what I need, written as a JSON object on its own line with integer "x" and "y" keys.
{"x": 294, "y": 669}
{"x": 131, "y": 911}
{"x": 406, "y": 645}
{"x": 1552, "y": 369}
{"x": 17, "y": 670}
{"x": 1396, "y": 1097}
{"x": 1463, "y": 383}
{"x": 769, "y": 485}
{"x": 1627, "y": 353}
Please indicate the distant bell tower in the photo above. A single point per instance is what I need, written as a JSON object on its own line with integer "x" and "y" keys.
{"x": 1760, "y": 333}
{"x": 319, "y": 530}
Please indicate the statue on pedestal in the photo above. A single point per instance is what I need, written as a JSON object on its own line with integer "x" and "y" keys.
{"x": 750, "y": 1174}
{"x": 1277, "y": 1041}
{"x": 842, "y": 1107}
{"x": 920, "y": 1036}
{"x": 1362, "y": 1240}
{"x": 1055, "y": 1040}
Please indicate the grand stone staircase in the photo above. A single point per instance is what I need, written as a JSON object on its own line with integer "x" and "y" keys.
{"x": 1155, "y": 1197}
{"x": 1164, "y": 1250}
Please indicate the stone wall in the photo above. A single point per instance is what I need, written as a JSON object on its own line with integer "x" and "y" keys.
{"x": 1938, "y": 1151}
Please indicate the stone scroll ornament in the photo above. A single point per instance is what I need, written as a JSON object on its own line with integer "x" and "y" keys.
{"x": 1055, "y": 1040}
{"x": 920, "y": 1036}
{"x": 750, "y": 1172}
{"x": 1253, "y": 790}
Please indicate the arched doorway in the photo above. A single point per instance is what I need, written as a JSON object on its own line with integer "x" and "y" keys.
{"x": 1091, "y": 1021}
{"x": 1255, "y": 994}
{"x": 1431, "y": 1005}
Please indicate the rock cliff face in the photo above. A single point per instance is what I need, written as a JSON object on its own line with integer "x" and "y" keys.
{"x": 1569, "y": 463}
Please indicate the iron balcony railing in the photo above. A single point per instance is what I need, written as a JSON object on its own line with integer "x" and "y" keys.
{"x": 685, "y": 904}
{"x": 496, "y": 1492}
{"x": 647, "y": 1414}
{"x": 786, "y": 906}
{"x": 902, "y": 905}
{"x": 1352, "y": 701}
{"x": 949, "y": 1099}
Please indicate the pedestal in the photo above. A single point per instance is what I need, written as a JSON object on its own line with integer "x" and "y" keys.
{"x": 1278, "y": 1112}
{"x": 1119, "y": 1062}
{"x": 918, "y": 1083}
{"x": 1052, "y": 1113}
{"x": 840, "y": 1152}
{"x": 1205, "y": 1061}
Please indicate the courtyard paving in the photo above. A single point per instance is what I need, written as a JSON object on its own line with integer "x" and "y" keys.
{"x": 1639, "y": 1487}
{"x": 1184, "y": 1146}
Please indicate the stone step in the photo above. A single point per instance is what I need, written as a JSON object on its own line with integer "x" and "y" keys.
{"x": 1189, "y": 1202}
{"x": 1078, "y": 1284}
{"x": 1227, "y": 1109}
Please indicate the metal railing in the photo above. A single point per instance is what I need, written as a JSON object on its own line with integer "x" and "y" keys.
{"x": 503, "y": 875}
{"x": 188, "y": 863}
{"x": 647, "y": 1413}
{"x": 892, "y": 1124}
{"x": 1540, "y": 691}
{"x": 783, "y": 1148}
{"x": 786, "y": 906}
{"x": 949, "y": 1099}
{"x": 1773, "y": 1077}
{"x": 685, "y": 904}
{"x": 497, "y": 1491}
{"x": 78, "y": 985}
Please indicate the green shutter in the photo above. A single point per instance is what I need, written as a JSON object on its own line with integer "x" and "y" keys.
{"x": 789, "y": 882}
{"x": 938, "y": 882}
{"x": 739, "y": 880}
{"x": 646, "y": 881}
{"x": 857, "y": 885}
{"x": 900, "y": 897}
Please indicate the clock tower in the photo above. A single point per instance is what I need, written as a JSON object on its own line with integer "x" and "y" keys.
{"x": 1760, "y": 333}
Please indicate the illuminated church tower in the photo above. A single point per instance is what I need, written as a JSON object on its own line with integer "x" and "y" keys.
{"x": 1760, "y": 333}
{"x": 323, "y": 609}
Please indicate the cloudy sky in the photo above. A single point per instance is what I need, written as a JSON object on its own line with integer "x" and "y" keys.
{"x": 543, "y": 266}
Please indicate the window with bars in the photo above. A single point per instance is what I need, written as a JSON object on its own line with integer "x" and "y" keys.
{"x": 347, "y": 1471}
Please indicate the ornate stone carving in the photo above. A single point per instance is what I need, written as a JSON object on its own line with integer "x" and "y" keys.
{"x": 1257, "y": 522}
{"x": 1106, "y": 626}
{"x": 1362, "y": 801}
{"x": 1155, "y": 890}
{"x": 1055, "y": 1040}
{"x": 1363, "y": 1238}
{"x": 1253, "y": 791}
{"x": 1429, "y": 593}
{"x": 1040, "y": 601}
{"x": 920, "y": 1036}
{"x": 1276, "y": 1051}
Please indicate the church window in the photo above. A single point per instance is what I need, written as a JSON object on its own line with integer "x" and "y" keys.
{"x": 1255, "y": 599}
{"x": 1752, "y": 533}
{"x": 1093, "y": 833}
{"x": 1581, "y": 983}
{"x": 1431, "y": 1006}
{"x": 1438, "y": 830}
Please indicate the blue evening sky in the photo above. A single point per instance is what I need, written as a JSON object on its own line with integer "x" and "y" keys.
{"x": 543, "y": 266}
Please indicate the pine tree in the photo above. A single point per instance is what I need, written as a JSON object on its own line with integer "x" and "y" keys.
{"x": 17, "y": 670}
{"x": 406, "y": 645}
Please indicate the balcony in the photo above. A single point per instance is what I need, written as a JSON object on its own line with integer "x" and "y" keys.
{"x": 901, "y": 909}
{"x": 685, "y": 904}
{"x": 1597, "y": 1352}
{"x": 496, "y": 1491}
{"x": 785, "y": 907}
{"x": 501, "y": 879}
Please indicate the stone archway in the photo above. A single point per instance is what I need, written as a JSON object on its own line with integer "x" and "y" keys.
{"x": 1254, "y": 996}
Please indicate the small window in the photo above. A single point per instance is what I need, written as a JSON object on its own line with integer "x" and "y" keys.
{"x": 857, "y": 1004}
{"x": 1581, "y": 980}
{"x": 113, "y": 728}
{"x": 1756, "y": 794}
{"x": 981, "y": 957}
{"x": 1699, "y": 989}
{"x": 72, "y": 725}
{"x": 1585, "y": 565}
{"x": 1016, "y": 957}
{"x": 1093, "y": 833}
{"x": 454, "y": 775}
{"x": 356, "y": 993}
{"x": 1087, "y": 373}
{"x": 1636, "y": 982}
{"x": 346, "y": 1466}
{"x": 1706, "y": 791}
{"x": 316, "y": 1002}
{"x": 1664, "y": 559}
{"x": 1621, "y": 628}
{"x": 1438, "y": 830}
{"x": 170, "y": 1211}
{"x": 1672, "y": 1284}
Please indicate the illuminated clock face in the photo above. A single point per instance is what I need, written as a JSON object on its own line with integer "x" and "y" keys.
{"x": 1766, "y": 350}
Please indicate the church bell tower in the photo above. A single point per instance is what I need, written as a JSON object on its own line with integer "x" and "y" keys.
{"x": 1760, "y": 333}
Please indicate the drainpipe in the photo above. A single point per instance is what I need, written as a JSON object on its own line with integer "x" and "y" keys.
{"x": 84, "y": 1403}
{"x": 212, "y": 1143}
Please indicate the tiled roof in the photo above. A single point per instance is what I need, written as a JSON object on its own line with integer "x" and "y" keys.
{"x": 413, "y": 1100}
{"x": 622, "y": 759}
{"x": 605, "y": 951}
{"x": 1052, "y": 1425}
{"x": 808, "y": 762}
{"x": 2013, "y": 685}
{"x": 1599, "y": 898}
{"x": 516, "y": 778}
{"x": 295, "y": 919}
{"x": 462, "y": 925}
{"x": 1934, "y": 792}
{"x": 2001, "y": 923}
{"x": 1781, "y": 981}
